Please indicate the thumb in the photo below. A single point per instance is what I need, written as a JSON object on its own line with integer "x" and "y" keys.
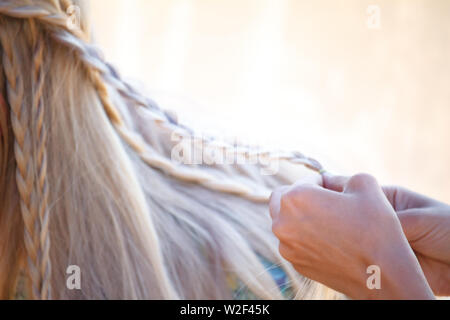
{"x": 334, "y": 183}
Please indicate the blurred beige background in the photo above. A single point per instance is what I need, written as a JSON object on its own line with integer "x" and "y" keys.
{"x": 359, "y": 85}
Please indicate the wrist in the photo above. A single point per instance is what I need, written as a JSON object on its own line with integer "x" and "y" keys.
{"x": 401, "y": 275}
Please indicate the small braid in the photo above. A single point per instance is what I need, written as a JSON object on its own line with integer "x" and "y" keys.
{"x": 38, "y": 78}
{"x": 55, "y": 19}
{"x": 32, "y": 197}
{"x": 3, "y": 126}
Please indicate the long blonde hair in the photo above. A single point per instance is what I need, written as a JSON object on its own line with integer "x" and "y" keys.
{"x": 87, "y": 179}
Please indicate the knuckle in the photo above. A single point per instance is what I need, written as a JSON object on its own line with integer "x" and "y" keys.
{"x": 278, "y": 228}
{"x": 295, "y": 195}
{"x": 287, "y": 201}
{"x": 304, "y": 188}
{"x": 285, "y": 252}
{"x": 362, "y": 179}
{"x": 281, "y": 231}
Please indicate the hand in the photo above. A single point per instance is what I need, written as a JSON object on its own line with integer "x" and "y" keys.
{"x": 426, "y": 224}
{"x": 332, "y": 237}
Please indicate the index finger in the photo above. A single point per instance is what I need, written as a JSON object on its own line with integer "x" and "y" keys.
{"x": 274, "y": 202}
{"x": 403, "y": 199}
{"x": 333, "y": 182}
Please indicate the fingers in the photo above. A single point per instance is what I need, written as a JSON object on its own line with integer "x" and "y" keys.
{"x": 291, "y": 199}
{"x": 275, "y": 198}
{"x": 361, "y": 183}
{"x": 412, "y": 223}
{"x": 311, "y": 179}
{"x": 403, "y": 199}
{"x": 274, "y": 202}
{"x": 358, "y": 183}
{"x": 391, "y": 193}
{"x": 334, "y": 183}
{"x": 399, "y": 198}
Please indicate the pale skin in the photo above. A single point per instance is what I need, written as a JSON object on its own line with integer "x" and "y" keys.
{"x": 332, "y": 229}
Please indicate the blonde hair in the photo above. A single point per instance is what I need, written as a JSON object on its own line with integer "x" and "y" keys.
{"x": 87, "y": 180}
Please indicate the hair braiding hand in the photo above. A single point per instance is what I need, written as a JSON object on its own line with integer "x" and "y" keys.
{"x": 332, "y": 234}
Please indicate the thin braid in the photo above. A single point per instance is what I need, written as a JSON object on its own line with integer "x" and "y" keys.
{"x": 25, "y": 162}
{"x": 3, "y": 126}
{"x": 186, "y": 174}
{"x": 22, "y": 149}
{"x": 38, "y": 109}
{"x": 57, "y": 18}
{"x": 99, "y": 70}
{"x": 155, "y": 160}
{"x": 3, "y": 135}
{"x": 91, "y": 58}
{"x": 152, "y": 158}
